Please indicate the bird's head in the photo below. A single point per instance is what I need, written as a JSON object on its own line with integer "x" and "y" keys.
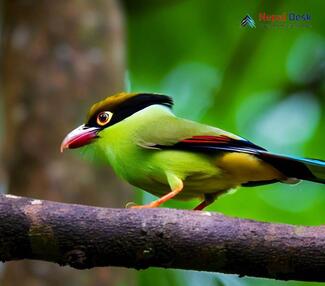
{"x": 108, "y": 112}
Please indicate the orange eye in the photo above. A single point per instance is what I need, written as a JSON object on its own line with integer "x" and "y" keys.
{"x": 104, "y": 117}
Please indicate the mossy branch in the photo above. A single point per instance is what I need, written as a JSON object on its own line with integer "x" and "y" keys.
{"x": 85, "y": 237}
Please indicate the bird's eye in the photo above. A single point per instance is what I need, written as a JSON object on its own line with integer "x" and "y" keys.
{"x": 104, "y": 117}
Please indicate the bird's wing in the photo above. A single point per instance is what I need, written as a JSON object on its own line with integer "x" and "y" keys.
{"x": 180, "y": 134}
{"x": 175, "y": 133}
{"x": 292, "y": 167}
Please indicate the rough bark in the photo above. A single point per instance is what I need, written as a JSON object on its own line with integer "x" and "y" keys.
{"x": 85, "y": 237}
{"x": 59, "y": 57}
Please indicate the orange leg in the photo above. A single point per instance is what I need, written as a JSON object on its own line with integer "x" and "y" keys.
{"x": 177, "y": 189}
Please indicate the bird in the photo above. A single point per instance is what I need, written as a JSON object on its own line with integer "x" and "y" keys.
{"x": 174, "y": 158}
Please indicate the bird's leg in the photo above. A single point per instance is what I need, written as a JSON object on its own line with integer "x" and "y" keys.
{"x": 208, "y": 200}
{"x": 175, "y": 183}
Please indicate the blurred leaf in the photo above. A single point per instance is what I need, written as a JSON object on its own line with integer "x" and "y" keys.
{"x": 289, "y": 123}
{"x": 193, "y": 85}
{"x": 307, "y": 53}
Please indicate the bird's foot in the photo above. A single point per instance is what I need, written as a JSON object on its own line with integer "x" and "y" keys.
{"x": 132, "y": 205}
{"x": 141, "y": 207}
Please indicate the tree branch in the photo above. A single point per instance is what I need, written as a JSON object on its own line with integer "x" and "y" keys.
{"x": 85, "y": 237}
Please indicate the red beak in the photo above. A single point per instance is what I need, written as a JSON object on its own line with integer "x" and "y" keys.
{"x": 78, "y": 137}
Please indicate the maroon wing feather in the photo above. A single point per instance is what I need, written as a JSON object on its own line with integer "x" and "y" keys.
{"x": 210, "y": 143}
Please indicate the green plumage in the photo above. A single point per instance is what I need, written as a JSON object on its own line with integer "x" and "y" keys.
{"x": 151, "y": 148}
{"x": 130, "y": 148}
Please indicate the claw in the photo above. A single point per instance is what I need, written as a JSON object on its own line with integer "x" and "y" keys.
{"x": 130, "y": 205}
{"x": 141, "y": 207}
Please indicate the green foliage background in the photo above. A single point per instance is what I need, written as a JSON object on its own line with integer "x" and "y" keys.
{"x": 265, "y": 84}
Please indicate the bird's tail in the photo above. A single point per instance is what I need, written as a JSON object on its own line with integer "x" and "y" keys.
{"x": 295, "y": 167}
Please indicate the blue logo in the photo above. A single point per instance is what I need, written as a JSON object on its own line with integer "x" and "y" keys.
{"x": 248, "y": 21}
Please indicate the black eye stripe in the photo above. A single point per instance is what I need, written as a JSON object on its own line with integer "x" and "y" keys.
{"x": 129, "y": 107}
